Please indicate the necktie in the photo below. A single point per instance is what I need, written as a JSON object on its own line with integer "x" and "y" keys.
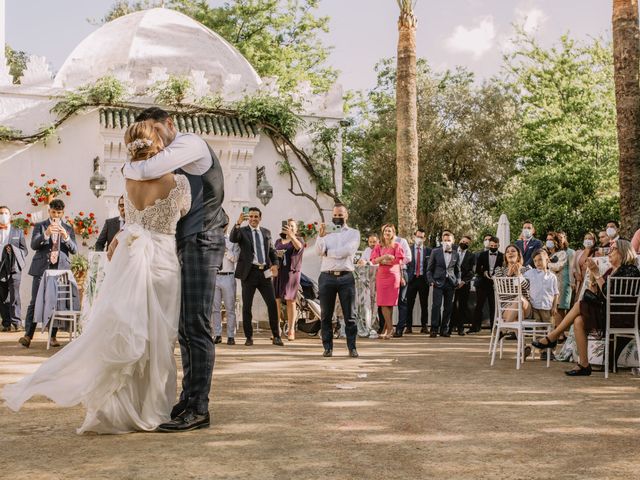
{"x": 418, "y": 261}
{"x": 256, "y": 241}
{"x": 55, "y": 249}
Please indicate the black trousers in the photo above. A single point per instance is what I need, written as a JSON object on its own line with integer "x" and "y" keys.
{"x": 10, "y": 310}
{"x": 200, "y": 256}
{"x": 460, "y": 308}
{"x": 257, "y": 281}
{"x": 343, "y": 287}
{"x": 29, "y": 324}
{"x": 440, "y": 317}
{"x": 484, "y": 293}
{"x": 418, "y": 286}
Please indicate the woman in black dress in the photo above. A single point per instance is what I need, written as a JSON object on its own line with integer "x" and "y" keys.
{"x": 587, "y": 316}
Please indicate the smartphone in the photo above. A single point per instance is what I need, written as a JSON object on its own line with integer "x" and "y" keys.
{"x": 332, "y": 228}
{"x": 285, "y": 224}
{"x": 245, "y": 210}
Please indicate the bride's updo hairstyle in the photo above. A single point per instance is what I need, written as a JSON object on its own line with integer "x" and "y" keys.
{"x": 142, "y": 141}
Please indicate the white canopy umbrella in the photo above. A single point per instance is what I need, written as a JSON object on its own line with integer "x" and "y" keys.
{"x": 504, "y": 232}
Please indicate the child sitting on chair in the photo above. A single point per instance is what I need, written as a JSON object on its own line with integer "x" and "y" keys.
{"x": 543, "y": 288}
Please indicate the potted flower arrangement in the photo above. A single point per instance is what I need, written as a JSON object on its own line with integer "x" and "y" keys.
{"x": 80, "y": 267}
{"x": 22, "y": 222}
{"x": 84, "y": 225}
{"x": 307, "y": 230}
{"x": 48, "y": 190}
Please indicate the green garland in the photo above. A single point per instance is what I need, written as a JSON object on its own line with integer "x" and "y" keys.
{"x": 274, "y": 116}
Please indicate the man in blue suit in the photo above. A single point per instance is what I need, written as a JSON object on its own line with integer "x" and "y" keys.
{"x": 416, "y": 285}
{"x": 53, "y": 241}
{"x": 443, "y": 274}
{"x": 528, "y": 244}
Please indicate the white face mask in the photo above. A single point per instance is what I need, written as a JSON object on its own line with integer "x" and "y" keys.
{"x": 418, "y": 240}
{"x": 550, "y": 244}
{"x": 486, "y": 244}
{"x": 5, "y": 218}
{"x": 611, "y": 232}
{"x": 588, "y": 243}
{"x": 446, "y": 245}
{"x": 526, "y": 233}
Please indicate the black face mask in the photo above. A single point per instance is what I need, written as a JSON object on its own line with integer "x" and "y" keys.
{"x": 464, "y": 246}
{"x": 338, "y": 221}
{"x": 493, "y": 250}
{"x": 283, "y": 236}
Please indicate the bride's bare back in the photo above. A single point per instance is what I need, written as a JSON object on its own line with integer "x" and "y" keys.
{"x": 147, "y": 193}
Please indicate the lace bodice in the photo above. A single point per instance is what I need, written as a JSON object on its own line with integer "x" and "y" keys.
{"x": 164, "y": 214}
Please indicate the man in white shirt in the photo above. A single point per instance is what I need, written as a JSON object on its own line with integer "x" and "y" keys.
{"x": 337, "y": 250}
{"x": 225, "y": 290}
{"x": 403, "y": 311}
{"x": 372, "y": 241}
{"x": 111, "y": 228}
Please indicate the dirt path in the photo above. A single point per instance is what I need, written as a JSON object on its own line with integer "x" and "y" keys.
{"x": 410, "y": 408}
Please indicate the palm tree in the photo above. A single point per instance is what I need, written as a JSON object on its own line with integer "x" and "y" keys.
{"x": 407, "y": 121}
{"x": 626, "y": 59}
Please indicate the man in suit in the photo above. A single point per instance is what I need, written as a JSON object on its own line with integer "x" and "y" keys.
{"x": 13, "y": 254}
{"x": 486, "y": 264}
{"x": 257, "y": 263}
{"x": 443, "y": 274}
{"x": 467, "y": 264}
{"x": 53, "y": 242}
{"x": 528, "y": 244}
{"x": 417, "y": 285}
{"x": 111, "y": 228}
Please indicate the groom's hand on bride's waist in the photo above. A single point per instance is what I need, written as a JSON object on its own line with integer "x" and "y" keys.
{"x": 112, "y": 247}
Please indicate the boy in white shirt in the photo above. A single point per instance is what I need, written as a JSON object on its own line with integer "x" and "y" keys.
{"x": 543, "y": 288}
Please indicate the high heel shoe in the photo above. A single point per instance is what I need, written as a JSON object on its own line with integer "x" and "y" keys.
{"x": 580, "y": 371}
{"x": 542, "y": 346}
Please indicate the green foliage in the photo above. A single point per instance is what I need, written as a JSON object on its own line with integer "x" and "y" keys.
{"x": 79, "y": 264}
{"x": 568, "y": 163}
{"x": 263, "y": 109}
{"x": 125, "y": 7}
{"x": 326, "y": 141}
{"x": 107, "y": 90}
{"x": 173, "y": 91}
{"x": 8, "y": 134}
{"x": 17, "y": 61}
{"x": 280, "y": 38}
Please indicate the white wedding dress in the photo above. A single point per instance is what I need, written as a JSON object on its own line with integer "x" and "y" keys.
{"x": 122, "y": 368}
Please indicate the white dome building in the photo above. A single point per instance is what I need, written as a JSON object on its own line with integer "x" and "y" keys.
{"x": 141, "y": 49}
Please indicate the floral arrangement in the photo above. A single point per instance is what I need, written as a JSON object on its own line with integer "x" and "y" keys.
{"x": 307, "y": 230}
{"x": 84, "y": 225}
{"x": 21, "y": 221}
{"x": 44, "y": 193}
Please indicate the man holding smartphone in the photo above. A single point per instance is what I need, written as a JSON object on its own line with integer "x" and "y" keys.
{"x": 54, "y": 242}
{"x": 337, "y": 245}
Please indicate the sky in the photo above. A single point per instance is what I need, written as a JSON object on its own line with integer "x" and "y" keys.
{"x": 471, "y": 33}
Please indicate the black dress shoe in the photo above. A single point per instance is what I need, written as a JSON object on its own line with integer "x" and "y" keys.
{"x": 424, "y": 330}
{"x": 473, "y": 330}
{"x": 248, "y": 342}
{"x": 542, "y": 346}
{"x": 353, "y": 353}
{"x": 217, "y": 340}
{"x": 327, "y": 353}
{"x": 461, "y": 333}
{"x": 278, "y": 341}
{"x": 6, "y": 329}
{"x": 185, "y": 422}
{"x": 433, "y": 334}
{"x": 580, "y": 371}
{"x": 445, "y": 334}
{"x": 408, "y": 330}
{"x": 397, "y": 334}
{"x": 177, "y": 409}
{"x": 25, "y": 341}
{"x": 231, "y": 341}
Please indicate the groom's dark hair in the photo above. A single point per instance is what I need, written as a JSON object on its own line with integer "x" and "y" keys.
{"x": 153, "y": 113}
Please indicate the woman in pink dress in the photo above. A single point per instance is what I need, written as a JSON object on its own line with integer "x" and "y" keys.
{"x": 387, "y": 255}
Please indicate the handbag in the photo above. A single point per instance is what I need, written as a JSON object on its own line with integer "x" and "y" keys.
{"x": 598, "y": 303}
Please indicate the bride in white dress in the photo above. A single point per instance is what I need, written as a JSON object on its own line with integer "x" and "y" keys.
{"x": 122, "y": 367}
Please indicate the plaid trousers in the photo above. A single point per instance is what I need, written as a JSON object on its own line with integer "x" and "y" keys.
{"x": 201, "y": 257}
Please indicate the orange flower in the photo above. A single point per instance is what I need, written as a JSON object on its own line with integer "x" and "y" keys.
{"x": 90, "y": 230}
{"x": 63, "y": 186}
{"x": 31, "y": 183}
{"x": 28, "y": 215}
{"x": 43, "y": 175}
{"x": 68, "y": 194}
{"x": 81, "y": 214}
{"x": 91, "y": 215}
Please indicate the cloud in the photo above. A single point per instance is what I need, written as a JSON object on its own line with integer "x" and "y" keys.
{"x": 476, "y": 40}
{"x": 531, "y": 19}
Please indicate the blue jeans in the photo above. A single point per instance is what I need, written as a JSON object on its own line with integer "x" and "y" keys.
{"x": 444, "y": 293}
{"x": 344, "y": 287}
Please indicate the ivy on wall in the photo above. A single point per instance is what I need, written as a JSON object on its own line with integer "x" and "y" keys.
{"x": 274, "y": 116}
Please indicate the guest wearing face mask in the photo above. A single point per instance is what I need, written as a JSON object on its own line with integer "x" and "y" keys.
{"x": 612, "y": 230}
{"x": 13, "y": 254}
{"x": 443, "y": 275}
{"x": 486, "y": 264}
{"x": 580, "y": 259}
{"x": 528, "y": 244}
{"x": 467, "y": 265}
{"x": 603, "y": 245}
{"x": 417, "y": 283}
{"x": 485, "y": 242}
{"x": 558, "y": 261}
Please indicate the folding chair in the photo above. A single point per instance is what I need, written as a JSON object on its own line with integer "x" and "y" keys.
{"x": 64, "y": 311}
{"x": 623, "y": 301}
{"x": 508, "y": 292}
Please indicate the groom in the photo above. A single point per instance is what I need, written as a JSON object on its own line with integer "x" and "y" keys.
{"x": 200, "y": 242}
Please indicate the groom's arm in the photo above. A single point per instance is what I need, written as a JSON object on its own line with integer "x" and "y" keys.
{"x": 187, "y": 151}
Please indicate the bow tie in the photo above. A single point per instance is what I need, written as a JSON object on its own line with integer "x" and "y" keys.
{"x": 4, "y": 227}
{"x": 493, "y": 254}
{"x": 447, "y": 251}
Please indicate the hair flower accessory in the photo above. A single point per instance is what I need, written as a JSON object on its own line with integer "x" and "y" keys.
{"x": 137, "y": 144}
